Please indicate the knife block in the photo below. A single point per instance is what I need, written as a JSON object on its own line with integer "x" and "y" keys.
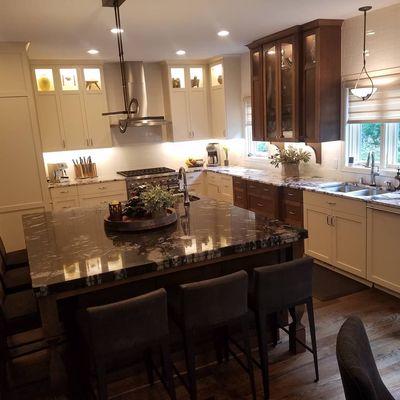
{"x": 83, "y": 171}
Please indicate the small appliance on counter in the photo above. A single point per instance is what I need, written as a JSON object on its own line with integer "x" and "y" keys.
{"x": 57, "y": 172}
{"x": 84, "y": 168}
{"x": 213, "y": 154}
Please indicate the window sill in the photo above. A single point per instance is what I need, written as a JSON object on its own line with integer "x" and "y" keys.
{"x": 389, "y": 172}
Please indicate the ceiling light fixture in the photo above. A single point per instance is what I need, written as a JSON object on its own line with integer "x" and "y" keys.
{"x": 117, "y": 30}
{"x": 93, "y": 52}
{"x": 223, "y": 33}
{"x": 181, "y": 52}
{"x": 366, "y": 92}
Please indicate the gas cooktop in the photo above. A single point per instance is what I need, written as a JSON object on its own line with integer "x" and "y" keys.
{"x": 146, "y": 171}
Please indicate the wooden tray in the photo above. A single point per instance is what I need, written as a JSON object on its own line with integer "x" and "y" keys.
{"x": 141, "y": 224}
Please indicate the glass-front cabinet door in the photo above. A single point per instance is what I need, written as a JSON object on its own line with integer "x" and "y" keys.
{"x": 287, "y": 90}
{"x": 270, "y": 92}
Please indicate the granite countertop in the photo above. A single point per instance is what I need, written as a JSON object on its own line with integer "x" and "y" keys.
{"x": 87, "y": 181}
{"x": 71, "y": 249}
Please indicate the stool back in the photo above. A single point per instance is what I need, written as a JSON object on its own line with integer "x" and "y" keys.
{"x": 360, "y": 376}
{"x": 118, "y": 329}
{"x": 214, "y": 301}
{"x": 283, "y": 285}
{"x": 3, "y": 253}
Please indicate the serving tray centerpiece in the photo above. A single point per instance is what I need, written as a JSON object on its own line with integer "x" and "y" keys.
{"x": 151, "y": 207}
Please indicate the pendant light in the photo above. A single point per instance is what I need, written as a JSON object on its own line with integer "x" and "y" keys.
{"x": 364, "y": 92}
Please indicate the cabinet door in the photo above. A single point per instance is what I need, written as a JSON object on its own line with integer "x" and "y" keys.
{"x": 271, "y": 91}
{"x": 349, "y": 243}
{"x": 50, "y": 122}
{"x": 218, "y": 112}
{"x": 99, "y": 134}
{"x": 199, "y": 125}
{"x": 257, "y": 112}
{"x": 73, "y": 121}
{"x": 319, "y": 242}
{"x": 213, "y": 191}
{"x": 180, "y": 115}
{"x": 383, "y": 245}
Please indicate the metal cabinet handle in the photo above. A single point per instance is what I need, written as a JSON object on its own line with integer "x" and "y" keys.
{"x": 260, "y": 204}
{"x": 327, "y": 220}
{"x": 331, "y": 203}
{"x": 64, "y": 191}
{"x": 63, "y": 143}
{"x": 290, "y": 194}
{"x": 292, "y": 213}
{"x": 91, "y": 141}
{"x": 266, "y": 190}
{"x": 102, "y": 188}
{"x": 332, "y": 221}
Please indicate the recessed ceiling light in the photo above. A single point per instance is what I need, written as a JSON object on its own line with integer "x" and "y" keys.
{"x": 223, "y": 33}
{"x": 93, "y": 51}
{"x": 117, "y": 30}
{"x": 370, "y": 33}
{"x": 181, "y": 52}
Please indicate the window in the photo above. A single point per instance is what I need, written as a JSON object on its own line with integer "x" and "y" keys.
{"x": 254, "y": 149}
{"x": 374, "y": 125}
{"x": 381, "y": 138}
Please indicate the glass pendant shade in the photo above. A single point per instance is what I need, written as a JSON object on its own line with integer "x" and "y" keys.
{"x": 363, "y": 93}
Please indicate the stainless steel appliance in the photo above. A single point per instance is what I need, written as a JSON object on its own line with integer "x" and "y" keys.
{"x": 165, "y": 177}
{"x": 213, "y": 154}
{"x": 57, "y": 172}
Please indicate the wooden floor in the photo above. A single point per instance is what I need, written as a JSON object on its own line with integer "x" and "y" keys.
{"x": 292, "y": 377}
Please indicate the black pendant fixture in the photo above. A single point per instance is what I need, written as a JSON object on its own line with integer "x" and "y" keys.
{"x": 364, "y": 92}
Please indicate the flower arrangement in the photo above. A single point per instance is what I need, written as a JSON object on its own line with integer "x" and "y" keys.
{"x": 290, "y": 156}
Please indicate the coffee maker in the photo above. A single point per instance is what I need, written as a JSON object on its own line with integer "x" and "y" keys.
{"x": 213, "y": 154}
{"x": 57, "y": 172}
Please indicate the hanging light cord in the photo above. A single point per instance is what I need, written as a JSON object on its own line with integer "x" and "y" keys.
{"x": 364, "y": 69}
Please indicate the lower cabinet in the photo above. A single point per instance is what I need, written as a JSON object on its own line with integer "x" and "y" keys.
{"x": 219, "y": 186}
{"x": 195, "y": 182}
{"x": 88, "y": 195}
{"x": 383, "y": 233}
{"x": 336, "y": 231}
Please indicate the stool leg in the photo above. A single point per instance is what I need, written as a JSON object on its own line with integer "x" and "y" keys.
{"x": 310, "y": 312}
{"x": 247, "y": 349}
{"x": 167, "y": 368}
{"x": 263, "y": 350}
{"x": 190, "y": 364}
{"x": 149, "y": 366}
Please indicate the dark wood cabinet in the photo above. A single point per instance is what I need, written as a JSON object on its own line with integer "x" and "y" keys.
{"x": 295, "y": 83}
{"x": 321, "y": 94}
{"x": 292, "y": 206}
{"x": 239, "y": 192}
{"x": 263, "y": 199}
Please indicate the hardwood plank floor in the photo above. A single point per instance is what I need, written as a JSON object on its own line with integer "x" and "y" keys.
{"x": 292, "y": 377}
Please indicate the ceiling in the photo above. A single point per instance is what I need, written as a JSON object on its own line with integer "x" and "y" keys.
{"x": 155, "y": 29}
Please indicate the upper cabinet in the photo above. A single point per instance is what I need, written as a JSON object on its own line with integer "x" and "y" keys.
{"x": 225, "y": 97}
{"x": 295, "y": 84}
{"x": 186, "y": 99}
{"x": 70, "y": 101}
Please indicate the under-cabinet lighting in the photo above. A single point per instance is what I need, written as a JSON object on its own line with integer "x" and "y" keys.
{"x": 93, "y": 51}
{"x": 223, "y": 33}
{"x": 117, "y": 30}
{"x": 180, "y": 52}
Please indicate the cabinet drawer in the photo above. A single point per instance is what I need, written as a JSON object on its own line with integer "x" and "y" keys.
{"x": 291, "y": 194}
{"x": 102, "y": 201}
{"x": 239, "y": 184}
{"x": 261, "y": 189}
{"x": 262, "y": 206}
{"x": 292, "y": 213}
{"x": 59, "y": 205}
{"x": 239, "y": 199}
{"x": 193, "y": 177}
{"x": 66, "y": 192}
{"x": 102, "y": 188}
{"x": 212, "y": 177}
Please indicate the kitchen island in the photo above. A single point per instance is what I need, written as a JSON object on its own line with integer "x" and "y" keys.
{"x": 71, "y": 254}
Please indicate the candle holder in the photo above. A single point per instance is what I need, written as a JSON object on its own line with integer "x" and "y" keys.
{"x": 115, "y": 209}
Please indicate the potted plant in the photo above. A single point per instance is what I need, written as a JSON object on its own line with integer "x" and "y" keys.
{"x": 290, "y": 159}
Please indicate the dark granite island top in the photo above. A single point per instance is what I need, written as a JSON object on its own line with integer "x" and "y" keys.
{"x": 71, "y": 249}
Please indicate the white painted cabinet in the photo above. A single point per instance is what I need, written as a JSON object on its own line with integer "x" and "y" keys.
{"x": 225, "y": 95}
{"x": 88, "y": 195}
{"x": 186, "y": 93}
{"x": 22, "y": 175}
{"x": 336, "y": 231}
{"x": 70, "y": 102}
{"x": 219, "y": 186}
{"x": 195, "y": 182}
{"x": 383, "y": 233}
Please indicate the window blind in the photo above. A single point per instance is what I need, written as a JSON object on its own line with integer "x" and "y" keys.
{"x": 383, "y": 106}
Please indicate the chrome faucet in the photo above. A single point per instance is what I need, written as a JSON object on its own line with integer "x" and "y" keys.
{"x": 182, "y": 178}
{"x": 374, "y": 174}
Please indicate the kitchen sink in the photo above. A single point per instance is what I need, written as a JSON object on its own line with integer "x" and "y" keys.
{"x": 368, "y": 192}
{"x": 342, "y": 188}
{"x": 387, "y": 196}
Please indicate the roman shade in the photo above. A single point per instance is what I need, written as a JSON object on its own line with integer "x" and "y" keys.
{"x": 383, "y": 106}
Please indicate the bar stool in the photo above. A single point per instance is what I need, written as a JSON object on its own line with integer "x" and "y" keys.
{"x": 14, "y": 259}
{"x": 276, "y": 288}
{"x": 114, "y": 333}
{"x": 211, "y": 305}
{"x": 14, "y": 280}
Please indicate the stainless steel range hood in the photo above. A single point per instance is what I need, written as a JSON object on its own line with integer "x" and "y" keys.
{"x": 145, "y": 98}
{"x": 133, "y": 84}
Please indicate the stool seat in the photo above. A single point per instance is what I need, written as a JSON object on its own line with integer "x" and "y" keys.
{"x": 17, "y": 258}
{"x": 17, "y": 279}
